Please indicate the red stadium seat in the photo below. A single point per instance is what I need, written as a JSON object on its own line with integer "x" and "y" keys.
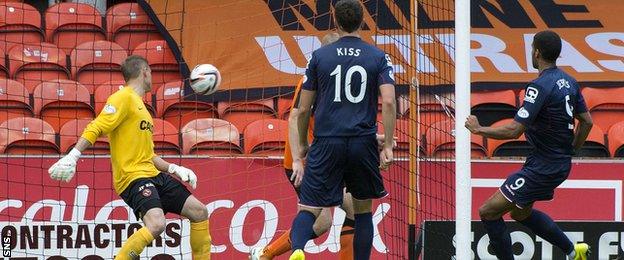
{"x": 283, "y": 107}
{"x": 102, "y": 92}
{"x": 210, "y": 136}
{"x": 70, "y": 24}
{"x": 72, "y": 130}
{"x": 4, "y": 71}
{"x": 606, "y": 105}
{"x": 20, "y": 23}
{"x": 14, "y": 100}
{"x": 616, "y": 139}
{"x": 164, "y": 66}
{"x": 243, "y": 113}
{"x": 440, "y": 138}
{"x": 128, "y": 25}
{"x": 62, "y": 100}
{"x": 31, "y": 64}
{"x": 27, "y": 135}
{"x": 266, "y": 137}
{"x": 493, "y": 106}
{"x": 508, "y": 148}
{"x": 165, "y": 138}
{"x": 403, "y": 138}
{"x": 595, "y": 145}
{"x": 172, "y": 107}
{"x": 94, "y": 63}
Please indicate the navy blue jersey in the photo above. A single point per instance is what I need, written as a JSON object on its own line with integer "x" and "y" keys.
{"x": 346, "y": 76}
{"x": 548, "y": 110}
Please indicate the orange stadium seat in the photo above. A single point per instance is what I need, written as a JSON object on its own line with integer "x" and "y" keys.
{"x": 31, "y": 64}
{"x": 210, "y": 136}
{"x": 508, "y": 148}
{"x": 27, "y": 135}
{"x": 283, "y": 107}
{"x": 14, "y": 100}
{"x": 440, "y": 139}
{"x": 20, "y": 23}
{"x": 493, "y": 106}
{"x": 70, "y": 24}
{"x": 595, "y": 145}
{"x": 72, "y": 130}
{"x": 266, "y": 137}
{"x": 164, "y": 66}
{"x": 128, "y": 25}
{"x": 172, "y": 107}
{"x": 94, "y": 63}
{"x": 616, "y": 139}
{"x": 59, "y": 101}
{"x": 433, "y": 108}
{"x": 165, "y": 138}
{"x": 403, "y": 138}
{"x": 4, "y": 71}
{"x": 102, "y": 92}
{"x": 243, "y": 113}
{"x": 606, "y": 105}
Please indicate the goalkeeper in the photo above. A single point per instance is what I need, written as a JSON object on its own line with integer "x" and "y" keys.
{"x": 138, "y": 173}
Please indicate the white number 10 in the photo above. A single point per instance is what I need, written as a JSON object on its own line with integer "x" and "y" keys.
{"x": 348, "y": 76}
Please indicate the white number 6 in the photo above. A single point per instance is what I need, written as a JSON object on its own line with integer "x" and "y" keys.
{"x": 517, "y": 184}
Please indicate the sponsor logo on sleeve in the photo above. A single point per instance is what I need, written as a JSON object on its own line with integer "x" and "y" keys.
{"x": 523, "y": 113}
{"x": 531, "y": 95}
{"x": 109, "y": 109}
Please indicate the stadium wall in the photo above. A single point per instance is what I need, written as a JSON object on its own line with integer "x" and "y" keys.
{"x": 249, "y": 202}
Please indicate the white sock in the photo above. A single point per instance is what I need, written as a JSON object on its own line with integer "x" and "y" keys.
{"x": 571, "y": 255}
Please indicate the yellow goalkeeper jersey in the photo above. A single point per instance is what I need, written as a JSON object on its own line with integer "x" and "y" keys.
{"x": 129, "y": 127}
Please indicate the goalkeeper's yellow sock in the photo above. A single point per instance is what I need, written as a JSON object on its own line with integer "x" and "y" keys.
{"x": 200, "y": 240}
{"x": 135, "y": 245}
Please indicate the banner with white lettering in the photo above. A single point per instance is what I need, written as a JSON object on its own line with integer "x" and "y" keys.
{"x": 266, "y": 43}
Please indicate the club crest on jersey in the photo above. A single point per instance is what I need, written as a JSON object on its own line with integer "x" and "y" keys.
{"x": 109, "y": 109}
{"x": 523, "y": 113}
{"x": 147, "y": 192}
{"x": 531, "y": 94}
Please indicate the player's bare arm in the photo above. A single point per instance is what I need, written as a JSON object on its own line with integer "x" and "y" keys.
{"x": 388, "y": 112}
{"x": 185, "y": 174}
{"x": 512, "y": 130}
{"x": 582, "y": 130}
{"x": 298, "y": 132}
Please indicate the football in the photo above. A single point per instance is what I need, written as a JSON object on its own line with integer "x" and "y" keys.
{"x": 205, "y": 79}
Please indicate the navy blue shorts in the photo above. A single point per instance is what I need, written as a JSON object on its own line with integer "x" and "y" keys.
{"x": 536, "y": 181}
{"x": 335, "y": 162}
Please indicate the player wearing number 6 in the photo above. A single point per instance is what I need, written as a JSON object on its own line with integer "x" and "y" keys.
{"x": 343, "y": 80}
{"x": 138, "y": 173}
{"x": 551, "y": 104}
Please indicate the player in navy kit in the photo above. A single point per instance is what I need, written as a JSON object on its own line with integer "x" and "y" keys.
{"x": 343, "y": 82}
{"x": 551, "y": 104}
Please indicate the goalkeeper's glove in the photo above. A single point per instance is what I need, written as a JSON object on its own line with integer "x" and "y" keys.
{"x": 185, "y": 174}
{"x": 65, "y": 168}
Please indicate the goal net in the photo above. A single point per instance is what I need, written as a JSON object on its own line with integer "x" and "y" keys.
{"x": 60, "y": 62}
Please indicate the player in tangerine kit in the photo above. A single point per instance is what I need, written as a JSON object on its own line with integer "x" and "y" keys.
{"x": 138, "y": 173}
{"x": 324, "y": 221}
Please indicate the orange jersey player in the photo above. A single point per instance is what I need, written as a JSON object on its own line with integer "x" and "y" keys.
{"x": 324, "y": 221}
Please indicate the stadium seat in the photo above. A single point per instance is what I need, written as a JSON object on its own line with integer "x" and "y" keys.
{"x": 616, "y": 139}
{"x": 14, "y": 100}
{"x": 493, "y": 106}
{"x": 266, "y": 137}
{"x": 59, "y": 101}
{"x": 70, "y": 24}
{"x": 440, "y": 141}
{"x": 94, "y": 63}
{"x": 165, "y": 137}
{"x": 27, "y": 135}
{"x": 31, "y": 64}
{"x": 243, "y": 113}
{"x": 594, "y": 145}
{"x": 72, "y": 130}
{"x": 102, "y": 92}
{"x": 128, "y": 25}
{"x": 433, "y": 108}
{"x": 283, "y": 107}
{"x": 606, "y": 105}
{"x": 508, "y": 148}
{"x": 4, "y": 71}
{"x": 403, "y": 138}
{"x": 20, "y": 23}
{"x": 172, "y": 107}
{"x": 210, "y": 136}
{"x": 164, "y": 66}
